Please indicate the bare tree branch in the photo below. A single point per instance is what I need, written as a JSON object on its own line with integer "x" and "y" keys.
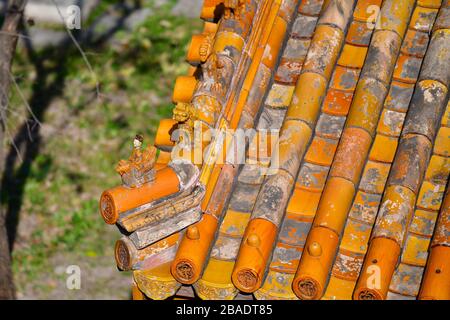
{"x": 8, "y": 43}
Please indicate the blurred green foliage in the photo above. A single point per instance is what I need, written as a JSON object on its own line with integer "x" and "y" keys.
{"x": 83, "y": 136}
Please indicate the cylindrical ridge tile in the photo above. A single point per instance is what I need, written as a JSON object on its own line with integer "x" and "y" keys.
{"x": 188, "y": 263}
{"x": 292, "y": 145}
{"x": 395, "y": 214}
{"x": 394, "y": 15}
{"x": 255, "y": 249}
{"x": 309, "y": 284}
{"x": 337, "y": 13}
{"x": 437, "y": 59}
{"x": 376, "y": 274}
{"x": 410, "y": 162}
{"x": 273, "y": 197}
{"x": 366, "y": 106}
{"x": 381, "y": 57}
{"x": 307, "y": 99}
{"x": 351, "y": 154}
{"x": 324, "y": 50}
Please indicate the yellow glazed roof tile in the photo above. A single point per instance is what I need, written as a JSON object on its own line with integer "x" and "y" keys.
{"x": 363, "y": 157}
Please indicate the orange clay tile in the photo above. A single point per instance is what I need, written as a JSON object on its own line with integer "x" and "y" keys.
{"x": 423, "y": 222}
{"x": 234, "y": 223}
{"x": 423, "y": 18}
{"x": 296, "y": 49}
{"x": 359, "y": 33}
{"x": 295, "y": 229}
{"x": 446, "y": 117}
{"x": 207, "y": 109}
{"x": 273, "y": 46}
{"x": 410, "y": 162}
{"x": 321, "y": 151}
{"x": 436, "y": 279}
{"x": 287, "y": 10}
{"x": 163, "y": 134}
{"x": 430, "y": 196}
{"x": 137, "y": 294}
{"x": 415, "y": 43}
{"x": 322, "y": 61}
{"x": 210, "y": 186}
{"x": 383, "y": 148}
{"x": 312, "y": 177}
{"x": 344, "y": 79}
{"x": 129, "y": 257}
{"x": 330, "y": 126}
{"x": 352, "y": 56}
{"x": 307, "y": 98}
{"x": 288, "y": 71}
{"x": 395, "y": 213}
{"x": 280, "y": 96}
{"x": 399, "y": 96}
{"x": 366, "y": 105}
{"x": 187, "y": 264}
{"x": 381, "y": 57}
{"x": 215, "y": 283}
{"x": 347, "y": 265}
{"x": 156, "y": 283}
{"x": 285, "y": 258}
{"x": 276, "y": 286}
{"x": 351, "y": 154}
{"x": 210, "y": 27}
{"x": 391, "y": 123}
{"x": 198, "y": 43}
{"x": 395, "y": 14}
{"x": 184, "y": 89}
{"x": 303, "y": 202}
{"x": 376, "y": 274}
{"x": 120, "y": 199}
{"x": 225, "y": 39}
{"x": 441, "y": 235}
{"x": 365, "y": 207}
{"x": 405, "y": 281}
{"x": 247, "y": 274}
{"x": 209, "y": 9}
{"x": 339, "y": 289}
{"x": 374, "y": 177}
{"x": 162, "y": 160}
{"x": 429, "y": 3}
{"x": 356, "y": 237}
{"x": 442, "y": 142}
{"x": 331, "y": 213}
{"x": 407, "y": 68}
{"x": 292, "y": 145}
{"x": 415, "y": 250}
{"x": 303, "y": 27}
{"x": 438, "y": 169}
{"x": 364, "y": 9}
{"x": 309, "y": 283}
{"x": 310, "y": 7}
{"x": 337, "y": 13}
{"x": 312, "y": 239}
{"x": 337, "y": 102}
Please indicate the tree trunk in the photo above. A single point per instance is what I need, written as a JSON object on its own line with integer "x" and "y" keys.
{"x": 8, "y": 43}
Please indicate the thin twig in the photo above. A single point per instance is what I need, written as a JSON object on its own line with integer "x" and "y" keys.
{"x": 5, "y": 126}
{"x": 83, "y": 54}
{"x": 24, "y": 100}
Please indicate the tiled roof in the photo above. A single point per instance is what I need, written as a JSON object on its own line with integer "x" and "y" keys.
{"x": 359, "y": 206}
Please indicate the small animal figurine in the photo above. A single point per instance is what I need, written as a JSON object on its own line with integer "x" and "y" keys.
{"x": 139, "y": 168}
